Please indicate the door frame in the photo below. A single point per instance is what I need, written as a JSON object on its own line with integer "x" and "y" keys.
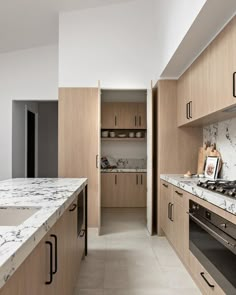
{"x": 27, "y": 108}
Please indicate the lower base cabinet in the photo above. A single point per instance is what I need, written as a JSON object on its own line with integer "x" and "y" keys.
{"x": 52, "y": 267}
{"x": 124, "y": 189}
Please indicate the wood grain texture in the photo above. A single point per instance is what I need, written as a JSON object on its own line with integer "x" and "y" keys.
{"x": 124, "y": 190}
{"x": 177, "y": 148}
{"x": 79, "y": 140}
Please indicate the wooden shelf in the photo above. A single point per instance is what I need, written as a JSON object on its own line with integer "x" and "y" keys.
{"x": 123, "y": 139}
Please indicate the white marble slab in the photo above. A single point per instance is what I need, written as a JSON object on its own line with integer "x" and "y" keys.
{"x": 52, "y": 195}
{"x": 190, "y": 186}
{"x": 124, "y": 170}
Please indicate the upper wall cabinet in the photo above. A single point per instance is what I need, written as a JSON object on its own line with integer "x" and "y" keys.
{"x": 208, "y": 86}
{"x": 123, "y": 115}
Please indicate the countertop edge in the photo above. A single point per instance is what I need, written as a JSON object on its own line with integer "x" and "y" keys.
{"x": 8, "y": 268}
{"x": 222, "y": 202}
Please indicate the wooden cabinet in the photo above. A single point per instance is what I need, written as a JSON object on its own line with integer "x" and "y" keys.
{"x": 208, "y": 86}
{"x": 184, "y": 99}
{"x": 203, "y": 278}
{"x": 123, "y": 115}
{"x": 124, "y": 189}
{"x": 62, "y": 245}
{"x": 79, "y": 139}
{"x": 175, "y": 219}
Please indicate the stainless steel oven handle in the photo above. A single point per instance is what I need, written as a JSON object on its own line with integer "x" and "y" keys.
{"x": 211, "y": 230}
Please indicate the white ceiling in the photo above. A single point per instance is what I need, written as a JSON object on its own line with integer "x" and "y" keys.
{"x": 30, "y": 23}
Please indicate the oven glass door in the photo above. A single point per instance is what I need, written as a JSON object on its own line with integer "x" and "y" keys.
{"x": 218, "y": 260}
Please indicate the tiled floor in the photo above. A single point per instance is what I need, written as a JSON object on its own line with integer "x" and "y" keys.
{"x": 125, "y": 260}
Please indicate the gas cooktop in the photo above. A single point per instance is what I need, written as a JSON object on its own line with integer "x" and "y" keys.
{"x": 224, "y": 187}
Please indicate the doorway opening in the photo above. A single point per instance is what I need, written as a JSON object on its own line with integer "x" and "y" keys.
{"x": 34, "y": 139}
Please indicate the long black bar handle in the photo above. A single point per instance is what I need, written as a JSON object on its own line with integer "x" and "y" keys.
{"x": 140, "y": 121}
{"x": 187, "y": 110}
{"x": 190, "y": 109}
{"x": 209, "y": 284}
{"x": 234, "y": 87}
{"x": 141, "y": 179}
{"x": 135, "y": 121}
{"x": 136, "y": 179}
{"x": 51, "y": 271}
{"x": 56, "y": 256}
{"x": 171, "y": 211}
{"x": 115, "y": 179}
{"x": 115, "y": 120}
{"x": 86, "y": 220}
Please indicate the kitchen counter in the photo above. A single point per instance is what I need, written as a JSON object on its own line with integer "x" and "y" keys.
{"x": 124, "y": 170}
{"x": 190, "y": 185}
{"x": 52, "y": 196}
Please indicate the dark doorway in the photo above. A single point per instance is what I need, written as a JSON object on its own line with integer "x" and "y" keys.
{"x": 30, "y": 144}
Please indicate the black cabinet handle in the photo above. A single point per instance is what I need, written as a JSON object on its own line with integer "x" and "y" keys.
{"x": 135, "y": 121}
{"x": 209, "y": 284}
{"x": 115, "y": 121}
{"x": 171, "y": 211}
{"x": 165, "y": 185}
{"x": 136, "y": 179}
{"x": 51, "y": 271}
{"x": 82, "y": 233}
{"x": 56, "y": 256}
{"x": 234, "y": 94}
{"x": 141, "y": 179}
{"x": 73, "y": 209}
{"x": 115, "y": 179}
{"x": 178, "y": 193}
{"x": 190, "y": 109}
{"x": 140, "y": 121}
{"x": 187, "y": 116}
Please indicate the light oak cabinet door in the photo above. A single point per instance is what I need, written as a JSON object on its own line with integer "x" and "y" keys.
{"x": 222, "y": 66}
{"x": 79, "y": 139}
{"x": 124, "y": 189}
{"x": 124, "y": 115}
{"x": 184, "y": 105}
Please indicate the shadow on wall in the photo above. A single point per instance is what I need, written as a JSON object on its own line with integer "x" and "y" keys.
{"x": 45, "y": 145}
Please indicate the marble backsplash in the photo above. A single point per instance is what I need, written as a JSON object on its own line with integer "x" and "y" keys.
{"x": 224, "y": 135}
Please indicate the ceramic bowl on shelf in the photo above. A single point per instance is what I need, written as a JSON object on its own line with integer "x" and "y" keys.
{"x": 138, "y": 134}
{"x": 105, "y": 133}
{"x": 131, "y": 134}
{"x": 122, "y": 135}
{"x": 112, "y": 134}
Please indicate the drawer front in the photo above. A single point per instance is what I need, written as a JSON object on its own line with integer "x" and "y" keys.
{"x": 204, "y": 280}
{"x": 178, "y": 195}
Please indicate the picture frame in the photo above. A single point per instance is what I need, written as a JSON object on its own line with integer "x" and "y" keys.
{"x": 211, "y": 167}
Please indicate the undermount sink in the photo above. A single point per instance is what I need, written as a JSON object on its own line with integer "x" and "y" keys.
{"x": 14, "y": 216}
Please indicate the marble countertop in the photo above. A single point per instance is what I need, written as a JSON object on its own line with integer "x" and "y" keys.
{"x": 124, "y": 170}
{"x": 190, "y": 186}
{"x": 52, "y": 196}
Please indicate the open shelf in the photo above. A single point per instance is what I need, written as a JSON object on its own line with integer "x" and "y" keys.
{"x": 123, "y": 139}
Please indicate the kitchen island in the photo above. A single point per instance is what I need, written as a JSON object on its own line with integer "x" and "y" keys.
{"x": 45, "y": 203}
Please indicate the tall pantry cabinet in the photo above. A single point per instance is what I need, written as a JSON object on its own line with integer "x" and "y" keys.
{"x": 79, "y": 141}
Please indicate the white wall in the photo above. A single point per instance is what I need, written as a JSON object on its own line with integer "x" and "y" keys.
{"x": 24, "y": 75}
{"x": 173, "y": 18}
{"x": 124, "y": 45}
{"x": 112, "y": 44}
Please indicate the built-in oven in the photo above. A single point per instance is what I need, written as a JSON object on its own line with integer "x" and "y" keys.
{"x": 212, "y": 240}
{"x": 82, "y": 216}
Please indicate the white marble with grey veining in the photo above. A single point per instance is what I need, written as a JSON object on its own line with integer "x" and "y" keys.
{"x": 124, "y": 170}
{"x": 52, "y": 195}
{"x": 190, "y": 186}
{"x": 224, "y": 135}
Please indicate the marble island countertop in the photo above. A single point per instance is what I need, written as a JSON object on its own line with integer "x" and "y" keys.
{"x": 51, "y": 196}
{"x": 124, "y": 170}
{"x": 190, "y": 186}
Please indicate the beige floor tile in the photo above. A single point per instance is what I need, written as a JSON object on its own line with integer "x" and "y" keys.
{"x": 151, "y": 292}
